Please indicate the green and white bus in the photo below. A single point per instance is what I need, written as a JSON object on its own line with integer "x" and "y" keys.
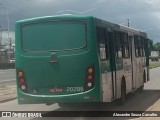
{"x": 67, "y": 58}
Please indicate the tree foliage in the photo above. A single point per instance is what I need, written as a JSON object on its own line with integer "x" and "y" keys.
{"x": 150, "y": 45}
{"x": 155, "y": 47}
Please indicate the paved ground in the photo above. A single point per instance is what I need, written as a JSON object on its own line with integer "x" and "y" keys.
{"x": 147, "y": 101}
{"x": 7, "y": 75}
{"x": 7, "y": 85}
{"x": 7, "y": 91}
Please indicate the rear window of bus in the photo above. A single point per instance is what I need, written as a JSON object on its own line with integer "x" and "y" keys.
{"x": 53, "y": 36}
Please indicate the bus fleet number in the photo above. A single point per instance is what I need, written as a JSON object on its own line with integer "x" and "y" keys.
{"x": 74, "y": 89}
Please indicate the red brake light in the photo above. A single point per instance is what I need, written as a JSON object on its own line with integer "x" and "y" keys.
{"x": 21, "y": 81}
{"x": 90, "y": 77}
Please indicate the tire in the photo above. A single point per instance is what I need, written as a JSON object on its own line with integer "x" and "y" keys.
{"x": 63, "y": 105}
{"x": 67, "y": 105}
{"x": 141, "y": 89}
{"x": 122, "y": 100}
{"x": 144, "y": 80}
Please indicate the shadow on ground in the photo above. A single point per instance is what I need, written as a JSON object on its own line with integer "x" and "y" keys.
{"x": 135, "y": 102}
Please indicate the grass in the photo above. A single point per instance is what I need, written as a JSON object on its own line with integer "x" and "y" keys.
{"x": 154, "y": 64}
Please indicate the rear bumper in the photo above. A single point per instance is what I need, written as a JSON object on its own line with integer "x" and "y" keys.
{"x": 89, "y": 96}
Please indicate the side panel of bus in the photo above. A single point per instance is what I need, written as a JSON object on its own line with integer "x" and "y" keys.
{"x": 139, "y": 61}
{"x": 104, "y": 43}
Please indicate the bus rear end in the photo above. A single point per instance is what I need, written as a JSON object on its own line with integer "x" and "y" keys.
{"x": 56, "y": 60}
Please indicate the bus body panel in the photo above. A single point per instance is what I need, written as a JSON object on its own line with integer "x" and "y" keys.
{"x": 130, "y": 70}
{"x": 63, "y": 79}
{"x": 62, "y": 74}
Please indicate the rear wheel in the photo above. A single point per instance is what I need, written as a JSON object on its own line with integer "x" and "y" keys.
{"x": 122, "y": 100}
{"x": 141, "y": 89}
{"x": 63, "y": 105}
{"x": 68, "y": 105}
{"x": 144, "y": 80}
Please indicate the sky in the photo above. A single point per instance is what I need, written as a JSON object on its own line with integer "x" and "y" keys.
{"x": 143, "y": 14}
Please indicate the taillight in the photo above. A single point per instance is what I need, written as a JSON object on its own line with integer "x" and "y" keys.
{"x": 22, "y": 83}
{"x": 90, "y": 70}
{"x": 20, "y": 74}
{"x": 90, "y": 78}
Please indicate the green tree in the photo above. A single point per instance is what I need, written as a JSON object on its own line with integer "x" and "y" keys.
{"x": 151, "y": 47}
{"x": 157, "y": 46}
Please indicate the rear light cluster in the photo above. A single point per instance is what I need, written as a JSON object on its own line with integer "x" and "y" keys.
{"x": 21, "y": 81}
{"x": 90, "y": 78}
